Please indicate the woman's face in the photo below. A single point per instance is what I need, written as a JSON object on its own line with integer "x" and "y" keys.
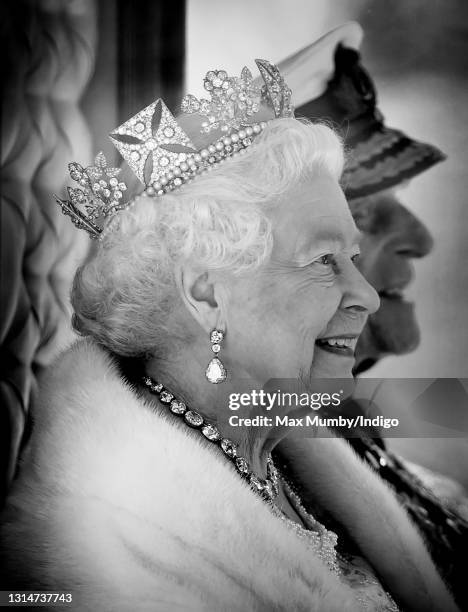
{"x": 300, "y": 314}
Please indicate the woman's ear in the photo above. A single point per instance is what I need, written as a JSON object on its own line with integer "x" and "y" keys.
{"x": 202, "y": 295}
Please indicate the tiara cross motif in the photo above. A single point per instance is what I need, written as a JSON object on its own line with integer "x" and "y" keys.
{"x": 152, "y": 141}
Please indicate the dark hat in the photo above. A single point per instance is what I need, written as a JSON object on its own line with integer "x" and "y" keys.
{"x": 336, "y": 88}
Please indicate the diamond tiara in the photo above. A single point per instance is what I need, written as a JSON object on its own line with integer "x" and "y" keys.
{"x": 163, "y": 156}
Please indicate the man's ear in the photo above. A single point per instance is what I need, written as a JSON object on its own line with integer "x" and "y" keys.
{"x": 202, "y": 295}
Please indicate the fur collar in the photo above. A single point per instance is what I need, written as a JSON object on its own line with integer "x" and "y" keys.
{"x": 131, "y": 512}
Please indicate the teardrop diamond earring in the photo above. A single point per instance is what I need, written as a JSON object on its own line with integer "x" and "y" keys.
{"x": 216, "y": 372}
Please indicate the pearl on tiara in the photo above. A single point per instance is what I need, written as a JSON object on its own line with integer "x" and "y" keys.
{"x": 205, "y": 160}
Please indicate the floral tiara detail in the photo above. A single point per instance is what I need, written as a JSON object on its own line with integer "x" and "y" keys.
{"x": 100, "y": 194}
{"x": 163, "y": 156}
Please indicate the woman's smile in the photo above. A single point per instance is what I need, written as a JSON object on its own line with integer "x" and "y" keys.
{"x": 343, "y": 345}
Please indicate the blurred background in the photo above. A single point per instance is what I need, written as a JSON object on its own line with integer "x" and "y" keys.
{"x": 75, "y": 69}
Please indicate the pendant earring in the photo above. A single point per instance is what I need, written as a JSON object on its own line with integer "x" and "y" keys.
{"x": 216, "y": 372}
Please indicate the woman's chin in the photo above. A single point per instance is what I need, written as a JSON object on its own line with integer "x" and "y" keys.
{"x": 328, "y": 364}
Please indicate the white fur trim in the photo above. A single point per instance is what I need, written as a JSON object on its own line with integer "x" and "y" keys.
{"x": 130, "y": 512}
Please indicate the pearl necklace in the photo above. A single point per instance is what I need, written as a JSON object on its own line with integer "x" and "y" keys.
{"x": 268, "y": 488}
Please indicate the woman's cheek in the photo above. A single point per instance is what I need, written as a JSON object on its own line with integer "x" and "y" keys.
{"x": 320, "y": 302}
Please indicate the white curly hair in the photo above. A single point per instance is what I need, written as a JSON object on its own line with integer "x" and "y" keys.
{"x": 125, "y": 295}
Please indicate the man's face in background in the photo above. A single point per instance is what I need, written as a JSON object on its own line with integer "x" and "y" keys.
{"x": 392, "y": 238}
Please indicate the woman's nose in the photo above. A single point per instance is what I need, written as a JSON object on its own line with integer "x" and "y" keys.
{"x": 358, "y": 294}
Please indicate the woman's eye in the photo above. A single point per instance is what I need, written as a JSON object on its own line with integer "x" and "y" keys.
{"x": 326, "y": 260}
{"x": 355, "y": 257}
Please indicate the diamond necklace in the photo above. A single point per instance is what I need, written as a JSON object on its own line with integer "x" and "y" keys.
{"x": 320, "y": 539}
{"x": 267, "y": 487}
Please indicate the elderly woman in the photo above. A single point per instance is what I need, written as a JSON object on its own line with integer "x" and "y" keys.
{"x": 130, "y": 497}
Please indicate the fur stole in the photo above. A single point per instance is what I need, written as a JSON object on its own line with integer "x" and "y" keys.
{"x": 128, "y": 511}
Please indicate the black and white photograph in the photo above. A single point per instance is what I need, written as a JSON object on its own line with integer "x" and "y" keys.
{"x": 233, "y": 321}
